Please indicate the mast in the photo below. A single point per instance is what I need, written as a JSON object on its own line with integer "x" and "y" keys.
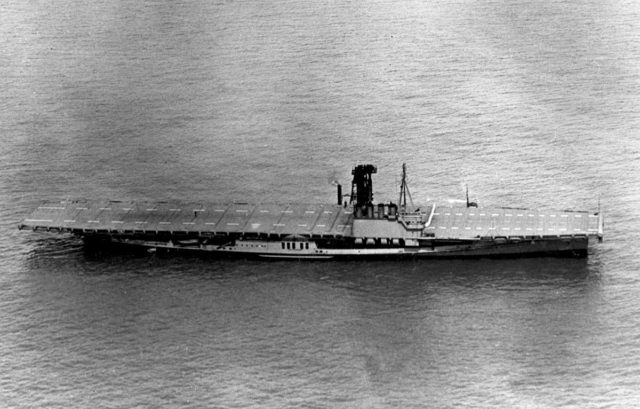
{"x": 404, "y": 190}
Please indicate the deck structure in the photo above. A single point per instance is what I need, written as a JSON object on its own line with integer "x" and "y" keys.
{"x": 312, "y": 220}
{"x": 462, "y": 222}
{"x": 116, "y": 217}
{"x": 357, "y": 228}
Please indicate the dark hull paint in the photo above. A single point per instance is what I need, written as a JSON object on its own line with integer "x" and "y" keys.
{"x": 574, "y": 248}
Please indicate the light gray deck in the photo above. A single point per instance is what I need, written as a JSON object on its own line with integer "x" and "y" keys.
{"x": 311, "y": 220}
{"x": 463, "y": 222}
{"x": 210, "y": 218}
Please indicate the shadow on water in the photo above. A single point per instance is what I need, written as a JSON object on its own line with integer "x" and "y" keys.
{"x": 349, "y": 273}
{"x": 418, "y": 275}
{"x": 403, "y": 285}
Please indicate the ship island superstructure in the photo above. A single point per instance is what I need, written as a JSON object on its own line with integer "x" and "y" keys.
{"x": 357, "y": 228}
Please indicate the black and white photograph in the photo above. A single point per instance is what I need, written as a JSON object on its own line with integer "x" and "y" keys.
{"x": 319, "y": 204}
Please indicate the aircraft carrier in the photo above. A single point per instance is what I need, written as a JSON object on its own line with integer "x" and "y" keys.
{"x": 354, "y": 228}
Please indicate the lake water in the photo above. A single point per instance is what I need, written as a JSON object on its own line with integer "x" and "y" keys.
{"x": 530, "y": 103}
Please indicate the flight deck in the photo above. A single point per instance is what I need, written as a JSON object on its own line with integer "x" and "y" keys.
{"x": 312, "y": 220}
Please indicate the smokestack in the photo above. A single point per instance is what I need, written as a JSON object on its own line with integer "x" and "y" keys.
{"x": 339, "y": 194}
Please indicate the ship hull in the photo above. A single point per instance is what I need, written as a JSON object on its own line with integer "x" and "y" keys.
{"x": 305, "y": 250}
{"x": 358, "y": 229}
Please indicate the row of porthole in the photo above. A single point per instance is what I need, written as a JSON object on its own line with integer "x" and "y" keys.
{"x": 292, "y": 245}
